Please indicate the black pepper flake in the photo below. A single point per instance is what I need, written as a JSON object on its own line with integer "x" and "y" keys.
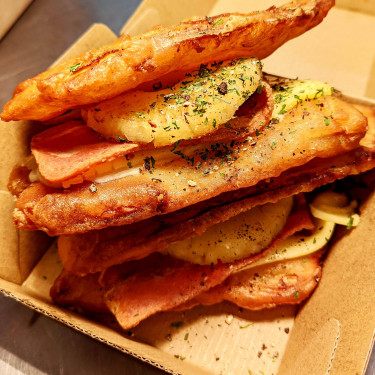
{"x": 147, "y": 164}
{"x": 259, "y": 354}
{"x": 286, "y": 330}
{"x": 93, "y": 188}
{"x": 209, "y": 20}
{"x": 264, "y": 347}
{"x": 157, "y": 86}
{"x": 222, "y": 88}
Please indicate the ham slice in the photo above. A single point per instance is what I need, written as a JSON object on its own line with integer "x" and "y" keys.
{"x": 66, "y": 150}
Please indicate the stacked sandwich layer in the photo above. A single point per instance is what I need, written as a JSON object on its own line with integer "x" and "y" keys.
{"x": 177, "y": 180}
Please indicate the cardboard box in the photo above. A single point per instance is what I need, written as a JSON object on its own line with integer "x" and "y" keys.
{"x": 332, "y": 333}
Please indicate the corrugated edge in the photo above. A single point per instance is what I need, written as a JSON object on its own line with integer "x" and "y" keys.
{"x": 334, "y": 347}
{"x": 87, "y": 332}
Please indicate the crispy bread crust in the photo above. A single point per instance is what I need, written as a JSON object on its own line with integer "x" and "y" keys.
{"x": 108, "y": 71}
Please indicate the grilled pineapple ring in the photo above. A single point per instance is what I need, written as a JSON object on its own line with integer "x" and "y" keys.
{"x": 194, "y": 107}
{"x": 241, "y": 236}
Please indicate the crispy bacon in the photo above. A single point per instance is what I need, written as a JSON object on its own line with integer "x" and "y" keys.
{"x": 108, "y": 71}
{"x": 78, "y": 292}
{"x": 286, "y": 282}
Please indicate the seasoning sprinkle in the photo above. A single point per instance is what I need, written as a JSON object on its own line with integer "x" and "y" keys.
{"x": 218, "y": 22}
{"x": 93, "y": 188}
{"x": 75, "y": 67}
{"x": 350, "y": 223}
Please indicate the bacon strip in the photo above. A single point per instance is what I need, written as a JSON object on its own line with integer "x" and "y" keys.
{"x": 135, "y": 290}
{"x": 106, "y": 72}
{"x": 78, "y": 292}
{"x": 286, "y": 282}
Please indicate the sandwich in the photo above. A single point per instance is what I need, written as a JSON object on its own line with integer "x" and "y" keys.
{"x": 177, "y": 176}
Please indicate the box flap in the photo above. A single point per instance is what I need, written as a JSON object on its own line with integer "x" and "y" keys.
{"x": 346, "y": 294}
{"x": 317, "y": 354}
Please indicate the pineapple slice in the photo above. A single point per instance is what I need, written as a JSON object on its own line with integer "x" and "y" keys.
{"x": 289, "y": 93}
{"x": 241, "y": 236}
{"x": 194, "y": 107}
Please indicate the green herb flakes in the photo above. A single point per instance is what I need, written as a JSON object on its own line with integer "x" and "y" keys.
{"x": 350, "y": 223}
{"x": 75, "y": 67}
{"x": 282, "y": 110}
{"x": 218, "y": 22}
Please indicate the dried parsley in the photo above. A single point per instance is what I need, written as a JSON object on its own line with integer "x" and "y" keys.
{"x": 74, "y": 67}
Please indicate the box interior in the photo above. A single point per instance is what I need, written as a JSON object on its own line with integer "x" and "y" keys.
{"x": 332, "y": 333}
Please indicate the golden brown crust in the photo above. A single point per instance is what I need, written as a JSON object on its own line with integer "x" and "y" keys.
{"x": 106, "y": 72}
{"x": 293, "y": 142}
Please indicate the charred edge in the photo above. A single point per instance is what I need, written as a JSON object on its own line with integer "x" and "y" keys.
{"x": 96, "y": 60}
{"x": 145, "y": 66}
